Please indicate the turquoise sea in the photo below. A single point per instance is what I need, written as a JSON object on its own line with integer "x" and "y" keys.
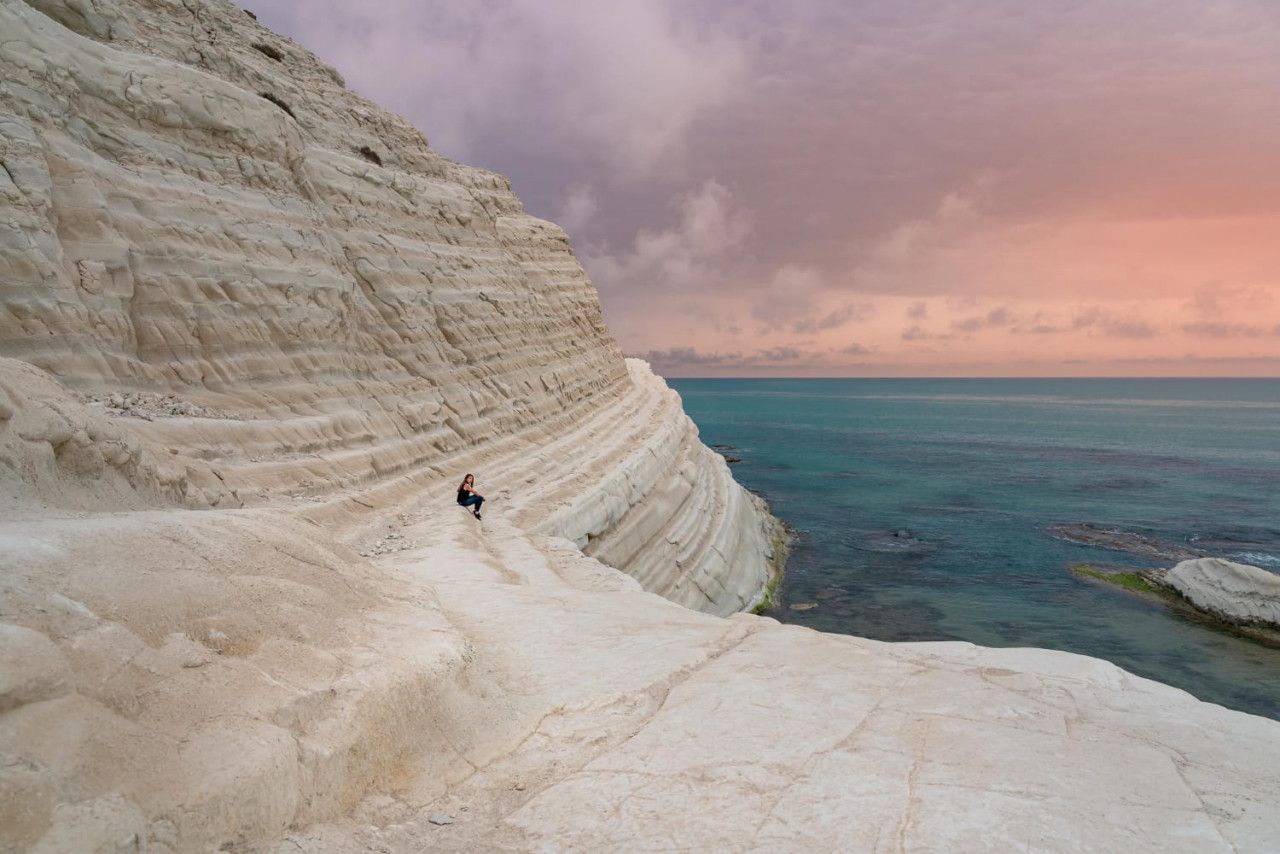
{"x": 933, "y": 509}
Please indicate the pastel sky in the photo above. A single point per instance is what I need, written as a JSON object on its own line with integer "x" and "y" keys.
{"x": 870, "y": 187}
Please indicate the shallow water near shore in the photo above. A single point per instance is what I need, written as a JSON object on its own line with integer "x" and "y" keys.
{"x": 928, "y": 509}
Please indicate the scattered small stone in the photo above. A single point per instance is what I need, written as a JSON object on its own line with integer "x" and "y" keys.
{"x": 149, "y": 406}
{"x": 519, "y": 787}
{"x": 804, "y": 606}
{"x": 439, "y": 818}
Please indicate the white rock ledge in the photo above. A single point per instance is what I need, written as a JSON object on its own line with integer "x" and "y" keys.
{"x": 668, "y": 512}
{"x": 1234, "y": 592}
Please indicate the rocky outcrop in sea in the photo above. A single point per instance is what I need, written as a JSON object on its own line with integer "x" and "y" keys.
{"x": 1235, "y": 592}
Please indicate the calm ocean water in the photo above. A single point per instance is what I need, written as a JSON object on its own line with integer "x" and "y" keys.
{"x": 925, "y": 508}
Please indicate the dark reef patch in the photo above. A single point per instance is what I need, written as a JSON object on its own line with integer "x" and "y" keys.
{"x": 1132, "y": 542}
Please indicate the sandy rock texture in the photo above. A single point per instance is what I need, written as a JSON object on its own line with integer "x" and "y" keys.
{"x": 1235, "y": 592}
{"x": 253, "y": 330}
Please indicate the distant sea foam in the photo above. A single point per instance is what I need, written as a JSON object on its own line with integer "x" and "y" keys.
{"x": 1257, "y": 559}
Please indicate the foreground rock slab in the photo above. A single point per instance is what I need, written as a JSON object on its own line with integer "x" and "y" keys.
{"x": 672, "y": 731}
{"x": 191, "y": 680}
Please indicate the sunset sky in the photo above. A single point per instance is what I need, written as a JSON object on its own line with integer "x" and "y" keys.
{"x": 873, "y": 188}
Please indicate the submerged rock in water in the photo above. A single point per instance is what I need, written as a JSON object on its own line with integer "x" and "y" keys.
{"x": 1235, "y": 592}
{"x": 898, "y": 541}
{"x": 1125, "y": 541}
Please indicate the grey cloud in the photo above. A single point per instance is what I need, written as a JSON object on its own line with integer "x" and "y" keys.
{"x": 919, "y": 333}
{"x": 1214, "y": 329}
{"x": 855, "y": 349}
{"x": 1213, "y": 300}
{"x": 1194, "y": 357}
{"x": 682, "y": 359}
{"x": 691, "y": 357}
{"x": 1096, "y": 321}
{"x": 778, "y": 354}
{"x": 1087, "y": 318}
{"x": 918, "y": 311}
{"x": 581, "y": 204}
{"x": 1129, "y": 329}
{"x": 997, "y": 317}
{"x": 696, "y": 252}
{"x": 688, "y": 357}
{"x": 833, "y": 320}
{"x": 789, "y": 299}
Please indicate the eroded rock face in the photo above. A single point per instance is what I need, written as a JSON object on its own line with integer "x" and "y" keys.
{"x": 1235, "y": 592}
{"x": 228, "y": 285}
{"x": 287, "y": 293}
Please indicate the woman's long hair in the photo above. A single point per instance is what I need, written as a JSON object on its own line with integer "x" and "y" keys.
{"x": 463, "y": 485}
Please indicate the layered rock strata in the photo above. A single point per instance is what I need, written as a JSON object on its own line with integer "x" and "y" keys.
{"x": 1235, "y": 592}
{"x": 201, "y": 219}
{"x": 253, "y": 332}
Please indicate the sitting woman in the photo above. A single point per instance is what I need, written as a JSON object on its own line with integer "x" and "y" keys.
{"x": 467, "y": 495}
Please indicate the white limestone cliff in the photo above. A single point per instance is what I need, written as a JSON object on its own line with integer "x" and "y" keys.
{"x": 191, "y": 214}
{"x": 252, "y": 332}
